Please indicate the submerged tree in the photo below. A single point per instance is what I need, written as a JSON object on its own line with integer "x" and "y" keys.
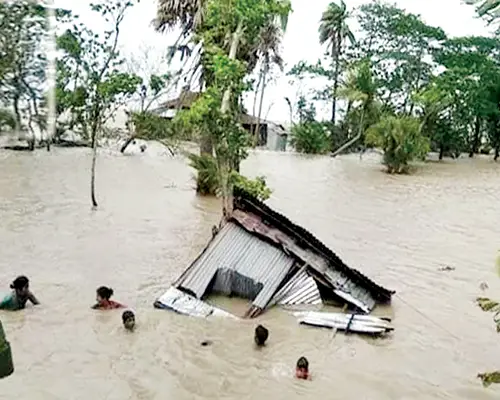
{"x": 401, "y": 140}
{"x": 90, "y": 85}
{"x": 23, "y": 62}
{"x": 216, "y": 112}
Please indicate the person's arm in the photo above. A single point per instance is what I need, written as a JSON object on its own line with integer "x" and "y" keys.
{"x": 33, "y": 299}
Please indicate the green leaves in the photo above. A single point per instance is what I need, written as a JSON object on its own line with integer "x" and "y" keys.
{"x": 401, "y": 139}
{"x": 90, "y": 83}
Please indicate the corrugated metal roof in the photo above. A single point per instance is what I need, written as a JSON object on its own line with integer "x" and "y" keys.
{"x": 346, "y": 322}
{"x": 344, "y": 286}
{"x": 300, "y": 289}
{"x": 304, "y": 239}
{"x": 175, "y": 300}
{"x": 234, "y": 249}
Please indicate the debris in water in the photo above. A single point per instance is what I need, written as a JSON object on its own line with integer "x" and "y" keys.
{"x": 487, "y": 304}
{"x": 206, "y": 343}
{"x": 346, "y": 322}
{"x": 483, "y": 286}
{"x": 446, "y": 268}
{"x": 260, "y": 255}
{"x": 489, "y": 378}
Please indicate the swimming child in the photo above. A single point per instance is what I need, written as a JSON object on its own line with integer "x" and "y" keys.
{"x": 103, "y": 296}
{"x": 302, "y": 369}
{"x": 20, "y": 295}
{"x": 261, "y": 335}
{"x": 128, "y": 319}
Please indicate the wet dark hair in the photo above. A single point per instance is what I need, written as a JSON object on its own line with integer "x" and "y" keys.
{"x": 105, "y": 292}
{"x": 19, "y": 283}
{"x": 261, "y": 335}
{"x": 303, "y": 363}
{"x": 127, "y": 315}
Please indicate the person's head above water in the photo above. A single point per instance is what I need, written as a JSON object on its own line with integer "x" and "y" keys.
{"x": 261, "y": 335}
{"x": 128, "y": 319}
{"x": 103, "y": 293}
{"x": 302, "y": 368}
{"x": 20, "y": 284}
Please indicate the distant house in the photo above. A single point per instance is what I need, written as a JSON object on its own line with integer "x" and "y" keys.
{"x": 262, "y": 256}
{"x": 271, "y": 136}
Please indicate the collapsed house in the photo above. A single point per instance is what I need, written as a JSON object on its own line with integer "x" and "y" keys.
{"x": 260, "y": 255}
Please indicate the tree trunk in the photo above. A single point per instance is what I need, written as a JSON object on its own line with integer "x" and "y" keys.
{"x": 497, "y": 152}
{"x": 222, "y": 161}
{"x": 17, "y": 113}
{"x": 92, "y": 170}
{"x": 336, "y": 52}
{"x": 129, "y": 140}
{"x": 206, "y": 146}
{"x": 353, "y": 140}
{"x": 477, "y": 138}
{"x": 256, "y": 95}
{"x": 441, "y": 152}
{"x": 264, "y": 75}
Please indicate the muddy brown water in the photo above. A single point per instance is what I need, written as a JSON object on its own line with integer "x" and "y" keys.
{"x": 398, "y": 230}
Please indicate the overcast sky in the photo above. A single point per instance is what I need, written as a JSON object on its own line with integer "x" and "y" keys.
{"x": 300, "y": 41}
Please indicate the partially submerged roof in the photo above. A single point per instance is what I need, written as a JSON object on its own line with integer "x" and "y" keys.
{"x": 186, "y": 99}
{"x": 261, "y": 255}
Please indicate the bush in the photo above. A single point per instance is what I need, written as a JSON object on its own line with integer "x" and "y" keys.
{"x": 255, "y": 187}
{"x": 401, "y": 140}
{"x": 207, "y": 179}
{"x": 207, "y": 182}
{"x": 7, "y": 120}
{"x": 311, "y": 137}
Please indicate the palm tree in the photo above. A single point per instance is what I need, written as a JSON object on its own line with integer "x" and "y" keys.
{"x": 334, "y": 31}
{"x": 186, "y": 14}
{"x": 268, "y": 50}
{"x": 488, "y": 8}
{"x": 361, "y": 89}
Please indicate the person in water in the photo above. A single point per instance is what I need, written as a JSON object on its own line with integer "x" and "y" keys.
{"x": 302, "y": 369}
{"x": 103, "y": 300}
{"x": 128, "y": 319}
{"x": 261, "y": 335}
{"x": 20, "y": 295}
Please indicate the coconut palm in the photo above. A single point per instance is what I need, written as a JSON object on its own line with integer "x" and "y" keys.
{"x": 186, "y": 14}
{"x": 334, "y": 31}
{"x": 268, "y": 50}
{"x": 360, "y": 90}
{"x": 489, "y": 8}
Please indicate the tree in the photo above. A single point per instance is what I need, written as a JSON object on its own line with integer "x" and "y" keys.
{"x": 308, "y": 135}
{"x": 487, "y": 8}
{"x": 334, "y": 31}
{"x": 216, "y": 112}
{"x": 435, "y": 104}
{"x": 472, "y": 70}
{"x": 268, "y": 48}
{"x": 23, "y": 29}
{"x": 401, "y": 140}
{"x": 360, "y": 90}
{"x": 90, "y": 84}
{"x": 399, "y": 46}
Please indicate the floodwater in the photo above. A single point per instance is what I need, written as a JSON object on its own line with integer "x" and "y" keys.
{"x": 399, "y": 230}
